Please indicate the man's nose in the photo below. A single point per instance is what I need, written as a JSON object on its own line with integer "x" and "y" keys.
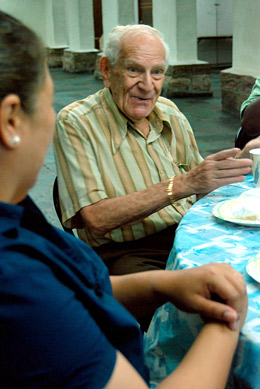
{"x": 146, "y": 81}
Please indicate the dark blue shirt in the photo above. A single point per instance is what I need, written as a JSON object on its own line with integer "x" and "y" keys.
{"x": 59, "y": 323}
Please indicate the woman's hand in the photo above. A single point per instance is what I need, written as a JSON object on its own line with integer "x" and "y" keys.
{"x": 215, "y": 291}
{"x": 207, "y": 363}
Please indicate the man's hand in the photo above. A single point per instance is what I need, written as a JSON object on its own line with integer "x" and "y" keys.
{"x": 253, "y": 144}
{"x": 216, "y": 170}
{"x": 215, "y": 291}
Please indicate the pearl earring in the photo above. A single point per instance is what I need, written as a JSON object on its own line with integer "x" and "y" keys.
{"x": 15, "y": 140}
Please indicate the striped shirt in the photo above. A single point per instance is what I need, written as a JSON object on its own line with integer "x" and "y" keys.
{"x": 100, "y": 155}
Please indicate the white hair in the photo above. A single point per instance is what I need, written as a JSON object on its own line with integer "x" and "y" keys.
{"x": 112, "y": 47}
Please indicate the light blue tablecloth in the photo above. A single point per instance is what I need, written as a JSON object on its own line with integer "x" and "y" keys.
{"x": 200, "y": 239}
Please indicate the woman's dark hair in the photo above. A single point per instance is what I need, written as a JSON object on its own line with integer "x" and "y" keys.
{"x": 22, "y": 62}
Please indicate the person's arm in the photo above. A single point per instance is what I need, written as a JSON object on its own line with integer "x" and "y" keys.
{"x": 213, "y": 291}
{"x": 250, "y": 121}
{"x": 205, "y": 366}
{"x": 87, "y": 203}
{"x": 251, "y": 118}
{"x": 216, "y": 170}
{"x": 252, "y": 144}
{"x": 207, "y": 363}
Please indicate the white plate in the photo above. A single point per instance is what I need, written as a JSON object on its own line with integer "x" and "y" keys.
{"x": 223, "y": 212}
{"x": 253, "y": 267}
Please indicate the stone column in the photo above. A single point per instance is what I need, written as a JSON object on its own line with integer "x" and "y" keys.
{"x": 81, "y": 54}
{"x": 186, "y": 75}
{"x": 56, "y": 36}
{"x": 237, "y": 82}
{"x": 116, "y": 12}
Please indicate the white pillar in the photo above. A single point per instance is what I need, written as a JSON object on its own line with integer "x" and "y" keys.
{"x": 186, "y": 75}
{"x": 81, "y": 54}
{"x": 56, "y": 34}
{"x": 118, "y": 12}
{"x": 128, "y": 11}
{"x": 237, "y": 81}
{"x": 177, "y": 20}
{"x": 80, "y": 25}
{"x": 246, "y": 37}
{"x": 186, "y": 31}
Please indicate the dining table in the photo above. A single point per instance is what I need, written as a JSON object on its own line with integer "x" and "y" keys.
{"x": 203, "y": 238}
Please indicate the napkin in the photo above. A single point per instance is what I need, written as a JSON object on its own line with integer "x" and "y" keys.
{"x": 247, "y": 205}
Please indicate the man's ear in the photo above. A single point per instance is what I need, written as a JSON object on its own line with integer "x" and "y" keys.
{"x": 10, "y": 109}
{"x": 104, "y": 68}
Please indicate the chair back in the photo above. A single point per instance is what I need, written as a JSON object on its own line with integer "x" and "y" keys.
{"x": 56, "y": 201}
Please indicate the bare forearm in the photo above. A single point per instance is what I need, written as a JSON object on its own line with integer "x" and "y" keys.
{"x": 189, "y": 290}
{"x": 217, "y": 170}
{"x": 109, "y": 214}
{"x": 205, "y": 366}
{"x": 207, "y": 362}
{"x": 136, "y": 292}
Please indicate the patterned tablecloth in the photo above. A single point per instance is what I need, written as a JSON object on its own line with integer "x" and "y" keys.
{"x": 202, "y": 238}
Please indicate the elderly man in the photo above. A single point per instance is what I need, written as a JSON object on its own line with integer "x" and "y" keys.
{"x": 127, "y": 161}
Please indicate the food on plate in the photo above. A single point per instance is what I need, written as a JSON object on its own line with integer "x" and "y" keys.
{"x": 247, "y": 205}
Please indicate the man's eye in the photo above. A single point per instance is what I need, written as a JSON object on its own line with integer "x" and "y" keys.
{"x": 132, "y": 71}
{"x": 158, "y": 73}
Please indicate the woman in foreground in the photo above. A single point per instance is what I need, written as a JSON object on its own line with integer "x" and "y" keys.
{"x": 61, "y": 324}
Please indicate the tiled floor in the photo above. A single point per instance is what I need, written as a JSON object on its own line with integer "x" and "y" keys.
{"x": 214, "y": 129}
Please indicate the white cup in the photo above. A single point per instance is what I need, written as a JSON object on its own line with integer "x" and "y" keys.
{"x": 255, "y": 156}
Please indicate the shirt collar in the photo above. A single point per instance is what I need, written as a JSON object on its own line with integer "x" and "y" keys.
{"x": 14, "y": 215}
{"x": 118, "y": 132}
{"x": 11, "y": 215}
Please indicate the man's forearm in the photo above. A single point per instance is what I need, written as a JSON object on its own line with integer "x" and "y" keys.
{"x": 109, "y": 214}
{"x": 217, "y": 170}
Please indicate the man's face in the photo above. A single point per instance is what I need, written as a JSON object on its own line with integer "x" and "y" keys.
{"x": 136, "y": 80}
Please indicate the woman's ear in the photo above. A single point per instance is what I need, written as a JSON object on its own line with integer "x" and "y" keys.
{"x": 104, "y": 68}
{"x": 10, "y": 109}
